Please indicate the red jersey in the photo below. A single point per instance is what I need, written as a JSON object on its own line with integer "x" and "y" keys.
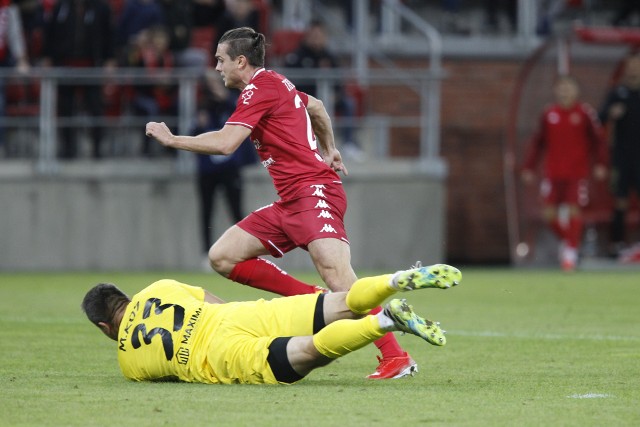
{"x": 281, "y": 131}
{"x": 570, "y": 139}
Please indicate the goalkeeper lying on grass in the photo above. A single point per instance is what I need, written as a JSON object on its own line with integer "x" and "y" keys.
{"x": 173, "y": 331}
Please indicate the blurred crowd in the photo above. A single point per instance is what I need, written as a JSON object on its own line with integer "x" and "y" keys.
{"x": 52, "y": 26}
{"x": 166, "y": 34}
{"x": 146, "y": 34}
{"x": 469, "y": 17}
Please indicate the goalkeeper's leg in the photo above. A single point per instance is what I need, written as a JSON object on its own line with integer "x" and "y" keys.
{"x": 370, "y": 292}
{"x": 342, "y": 335}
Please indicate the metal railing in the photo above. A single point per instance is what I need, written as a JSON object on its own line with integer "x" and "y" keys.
{"x": 46, "y": 122}
{"x": 365, "y": 46}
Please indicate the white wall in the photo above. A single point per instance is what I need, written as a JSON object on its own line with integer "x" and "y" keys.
{"x": 140, "y": 217}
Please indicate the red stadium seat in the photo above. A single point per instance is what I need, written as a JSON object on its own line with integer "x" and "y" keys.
{"x": 283, "y": 42}
{"x": 203, "y": 38}
{"x": 116, "y": 7}
{"x": 22, "y": 98}
{"x": 264, "y": 10}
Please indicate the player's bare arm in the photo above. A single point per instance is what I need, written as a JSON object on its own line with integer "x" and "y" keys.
{"x": 321, "y": 123}
{"x": 212, "y": 299}
{"x": 224, "y": 141}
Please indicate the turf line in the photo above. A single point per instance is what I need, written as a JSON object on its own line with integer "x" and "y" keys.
{"x": 551, "y": 337}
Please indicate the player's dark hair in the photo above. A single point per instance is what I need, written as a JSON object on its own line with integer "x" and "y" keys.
{"x": 102, "y": 302}
{"x": 245, "y": 41}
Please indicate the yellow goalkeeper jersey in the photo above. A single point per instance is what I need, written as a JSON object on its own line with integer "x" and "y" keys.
{"x": 163, "y": 333}
{"x": 168, "y": 332}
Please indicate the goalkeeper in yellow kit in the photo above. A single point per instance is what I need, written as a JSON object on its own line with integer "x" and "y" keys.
{"x": 173, "y": 331}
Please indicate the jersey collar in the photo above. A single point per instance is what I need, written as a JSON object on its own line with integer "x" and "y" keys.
{"x": 258, "y": 71}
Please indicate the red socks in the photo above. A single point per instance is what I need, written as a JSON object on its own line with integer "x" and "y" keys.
{"x": 572, "y": 233}
{"x": 262, "y": 274}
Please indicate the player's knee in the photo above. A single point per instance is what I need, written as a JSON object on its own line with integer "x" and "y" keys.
{"x": 219, "y": 262}
{"x": 338, "y": 280}
{"x": 314, "y": 358}
{"x": 320, "y": 361}
{"x": 303, "y": 357}
{"x": 337, "y": 285}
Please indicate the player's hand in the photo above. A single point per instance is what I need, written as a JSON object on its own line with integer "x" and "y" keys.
{"x": 22, "y": 66}
{"x": 600, "y": 172}
{"x": 334, "y": 160}
{"x": 527, "y": 176}
{"x": 616, "y": 111}
{"x": 160, "y": 132}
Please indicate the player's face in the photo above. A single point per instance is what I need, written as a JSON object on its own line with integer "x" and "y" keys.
{"x": 632, "y": 73}
{"x": 227, "y": 67}
{"x": 566, "y": 92}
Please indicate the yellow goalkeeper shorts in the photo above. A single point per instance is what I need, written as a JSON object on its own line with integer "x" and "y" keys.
{"x": 239, "y": 347}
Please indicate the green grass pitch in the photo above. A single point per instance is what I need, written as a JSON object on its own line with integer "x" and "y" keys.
{"x": 525, "y": 348}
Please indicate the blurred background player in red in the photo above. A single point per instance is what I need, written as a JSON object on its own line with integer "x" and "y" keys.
{"x": 569, "y": 140}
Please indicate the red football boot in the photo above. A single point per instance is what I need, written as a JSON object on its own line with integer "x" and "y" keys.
{"x": 394, "y": 367}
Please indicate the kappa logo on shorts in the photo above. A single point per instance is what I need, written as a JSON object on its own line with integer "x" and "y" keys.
{"x": 327, "y": 228}
{"x": 322, "y": 205}
{"x": 325, "y": 214}
{"x": 318, "y": 190}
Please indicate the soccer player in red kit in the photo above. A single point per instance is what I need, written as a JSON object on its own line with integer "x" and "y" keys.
{"x": 570, "y": 139}
{"x": 294, "y": 139}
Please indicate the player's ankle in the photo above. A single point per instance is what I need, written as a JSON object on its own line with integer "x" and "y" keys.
{"x": 385, "y": 322}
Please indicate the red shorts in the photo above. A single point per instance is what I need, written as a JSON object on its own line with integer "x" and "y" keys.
{"x": 569, "y": 191}
{"x": 317, "y": 212}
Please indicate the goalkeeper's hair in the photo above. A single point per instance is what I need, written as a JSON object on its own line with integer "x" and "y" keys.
{"x": 245, "y": 41}
{"x": 102, "y": 302}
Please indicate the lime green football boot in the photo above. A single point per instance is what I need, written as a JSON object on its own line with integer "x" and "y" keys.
{"x": 406, "y": 320}
{"x": 441, "y": 276}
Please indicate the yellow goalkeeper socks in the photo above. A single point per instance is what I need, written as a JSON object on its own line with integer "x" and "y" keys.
{"x": 369, "y": 292}
{"x": 344, "y": 336}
